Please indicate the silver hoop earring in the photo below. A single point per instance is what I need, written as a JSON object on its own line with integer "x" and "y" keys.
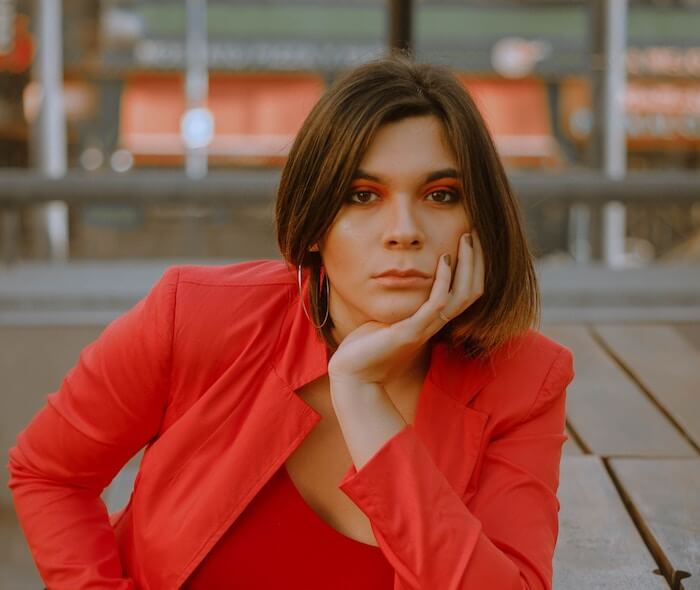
{"x": 303, "y": 305}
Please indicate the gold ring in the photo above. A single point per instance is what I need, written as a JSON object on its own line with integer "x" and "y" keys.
{"x": 443, "y": 316}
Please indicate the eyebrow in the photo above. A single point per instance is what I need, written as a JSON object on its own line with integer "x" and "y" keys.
{"x": 436, "y": 175}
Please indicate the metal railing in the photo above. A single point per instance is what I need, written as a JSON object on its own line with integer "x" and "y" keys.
{"x": 20, "y": 189}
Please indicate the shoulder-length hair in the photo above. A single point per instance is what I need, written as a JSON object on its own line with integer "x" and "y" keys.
{"x": 329, "y": 148}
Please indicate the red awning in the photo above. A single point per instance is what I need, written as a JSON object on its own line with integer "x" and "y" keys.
{"x": 517, "y": 114}
{"x": 661, "y": 115}
{"x": 256, "y": 116}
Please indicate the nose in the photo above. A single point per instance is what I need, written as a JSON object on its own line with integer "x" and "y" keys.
{"x": 402, "y": 227}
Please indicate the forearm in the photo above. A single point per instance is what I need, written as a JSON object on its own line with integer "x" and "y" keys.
{"x": 430, "y": 537}
{"x": 504, "y": 535}
{"x": 59, "y": 506}
{"x": 367, "y": 416}
{"x": 68, "y": 531}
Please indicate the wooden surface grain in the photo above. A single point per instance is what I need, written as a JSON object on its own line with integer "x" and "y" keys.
{"x": 607, "y": 409}
{"x": 664, "y": 500}
{"x": 665, "y": 364}
{"x": 599, "y": 546}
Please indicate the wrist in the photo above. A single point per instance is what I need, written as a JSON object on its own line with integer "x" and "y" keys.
{"x": 341, "y": 383}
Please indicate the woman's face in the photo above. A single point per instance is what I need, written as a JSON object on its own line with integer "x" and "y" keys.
{"x": 403, "y": 212}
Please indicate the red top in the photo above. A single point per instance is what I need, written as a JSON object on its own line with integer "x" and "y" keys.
{"x": 280, "y": 542}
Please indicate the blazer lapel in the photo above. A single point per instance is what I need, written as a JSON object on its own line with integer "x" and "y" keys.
{"x": 451, "y": 430}
{"x": 269, "y": 428}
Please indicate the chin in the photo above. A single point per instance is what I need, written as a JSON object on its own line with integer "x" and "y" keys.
{"x": 396, "y": 309}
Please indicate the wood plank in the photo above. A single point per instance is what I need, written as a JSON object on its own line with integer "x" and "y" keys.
{"x": 665, "y": 501}
{"x": 666, "y": 364}
{"x": 691, "y": 332}
{"x": 571, "y": 447}
{"x": 598, "y": 546}
{"x": 608, "y": 410}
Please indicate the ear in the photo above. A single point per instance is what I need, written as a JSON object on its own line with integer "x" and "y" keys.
{"x": 314, "y": 248}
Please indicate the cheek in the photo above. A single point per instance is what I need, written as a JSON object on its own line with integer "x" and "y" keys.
{"x": 343, "y": 245}
{"x": 446, "y": 240}
{"x": 347, "y": 230}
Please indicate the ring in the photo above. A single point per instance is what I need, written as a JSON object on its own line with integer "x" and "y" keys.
{"x": 443, "y": 316}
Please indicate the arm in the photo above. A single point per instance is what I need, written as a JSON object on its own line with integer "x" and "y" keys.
{"x": 505, "y": 539}
{"x": 108, "y": 406}
{"x": 367, "y": 417}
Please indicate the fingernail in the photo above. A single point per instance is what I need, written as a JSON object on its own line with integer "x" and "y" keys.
{"x": 447, "y": 259}
{"x": 468, "y": 238}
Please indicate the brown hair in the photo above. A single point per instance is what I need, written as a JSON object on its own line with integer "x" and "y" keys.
{"x": 329, "y": 148}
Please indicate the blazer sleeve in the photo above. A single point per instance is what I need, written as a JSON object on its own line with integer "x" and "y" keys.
{"x": 504, "y": 537}
{"x": 108, "y": 406}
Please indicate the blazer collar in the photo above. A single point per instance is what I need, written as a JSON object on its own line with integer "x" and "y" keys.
{"x": 302, "y": 356}
{"x": 452, "y": 431}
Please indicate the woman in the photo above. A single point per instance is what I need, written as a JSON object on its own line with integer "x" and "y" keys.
{"x": 376, "y": 411}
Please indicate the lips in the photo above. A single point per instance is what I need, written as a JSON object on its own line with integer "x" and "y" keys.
{"x": 407, "y": 273}
{"x": 403, "y": 279}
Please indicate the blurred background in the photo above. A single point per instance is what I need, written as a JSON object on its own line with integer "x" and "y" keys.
{"x": 108, "y": 95}
{"x": 136, "y": 134}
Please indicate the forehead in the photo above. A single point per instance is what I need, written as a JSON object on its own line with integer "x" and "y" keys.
{"x": 413, "y": 146}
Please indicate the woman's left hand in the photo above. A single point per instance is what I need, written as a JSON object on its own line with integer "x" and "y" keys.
{"x": 374, "y": 352}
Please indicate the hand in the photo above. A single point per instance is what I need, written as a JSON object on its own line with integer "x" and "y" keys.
{"x": 374, "y": 351}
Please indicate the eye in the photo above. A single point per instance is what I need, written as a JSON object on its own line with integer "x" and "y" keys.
{"x": 443, "y": 196}
{"x": 361, "y": 197}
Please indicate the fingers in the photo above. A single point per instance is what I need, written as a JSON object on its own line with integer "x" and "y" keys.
{"x": 462, "y": 283}
{"x": 444, "y": 304}
{"x": 440, "y": 293}
{"x": 422, "y": 324}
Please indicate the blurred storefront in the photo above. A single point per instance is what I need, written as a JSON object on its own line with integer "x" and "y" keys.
{"x": 663, "y": 120}
{"x": 257, "y": 116}
{"x": 526, "y": 64}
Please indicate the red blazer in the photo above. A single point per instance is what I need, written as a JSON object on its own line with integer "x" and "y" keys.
{"x": 203, "y": 373}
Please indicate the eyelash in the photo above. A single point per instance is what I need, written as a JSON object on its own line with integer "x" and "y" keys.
{"x": 454, "y": 197}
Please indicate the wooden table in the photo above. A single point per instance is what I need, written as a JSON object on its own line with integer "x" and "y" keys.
{"x": 630, "y": 478}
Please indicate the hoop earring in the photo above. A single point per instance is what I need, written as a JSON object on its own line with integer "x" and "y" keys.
{"x": 303, "y": 305}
